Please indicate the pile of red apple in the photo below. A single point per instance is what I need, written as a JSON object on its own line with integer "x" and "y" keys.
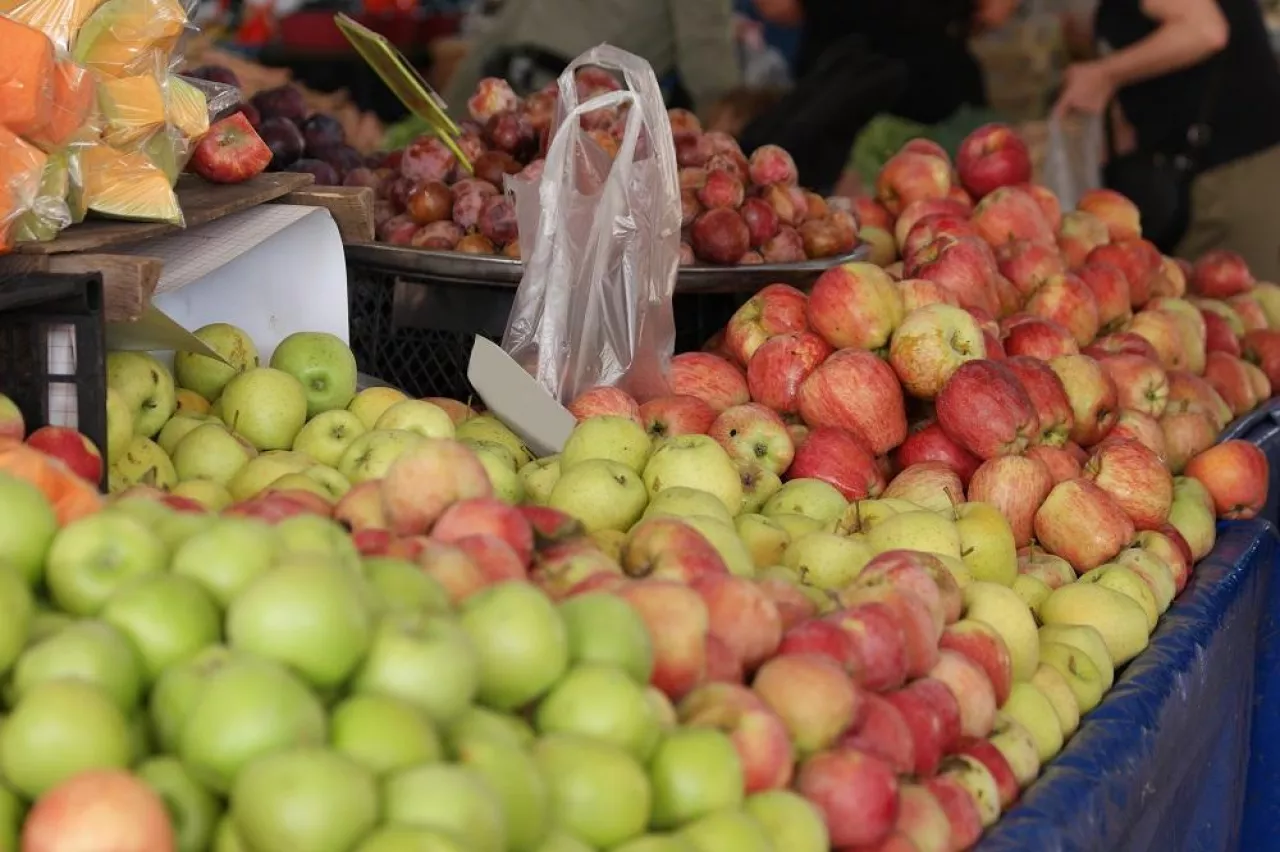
{"x": 736, "y": 210}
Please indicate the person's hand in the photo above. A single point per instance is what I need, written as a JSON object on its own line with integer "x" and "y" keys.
{"x": 1086, "y": 88}
{"x": 784, "y": 13}
{"x": 993, "y": 14}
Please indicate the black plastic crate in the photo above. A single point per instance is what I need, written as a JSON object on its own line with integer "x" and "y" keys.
{"x": 416, "y": 332}
{"x": 53, "y": 351}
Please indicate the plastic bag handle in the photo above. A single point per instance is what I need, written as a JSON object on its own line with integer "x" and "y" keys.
{"x": 1059, "y": 173}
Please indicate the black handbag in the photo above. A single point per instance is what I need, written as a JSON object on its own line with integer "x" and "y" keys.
{"x": 1159, "y": 182}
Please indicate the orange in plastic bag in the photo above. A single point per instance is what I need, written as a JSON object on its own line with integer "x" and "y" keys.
{"x": 21, "y": 170}
{"x": 127, "y": 185}
{"x": 26, "y": 76}
{"x": 73, "y": 97}
{"x": 129, "y": 37}
{"x": 70, "y": 496}
{"x": 60, "y": 20}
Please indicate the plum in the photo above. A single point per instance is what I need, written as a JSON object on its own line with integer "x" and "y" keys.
{"x": 689, "y": 151}
{"x": 440, "y": 236}
{"x": 846, "y": 224}
{"x": 282, "y": 102}
{"x": 751, "y": 258}
{"x": 771, "y": 164}
{"x": 362, "y": 176}
{"x": 284, "y": 139}
{"x": 430, "y": 202}
{"x": 786, "y": 247}
{"x": 762, "y": 220}
{"x": 498, "y": 219}
{"x": 783, "y": 204}
{"x": 392, "y": 159}
{"x": 512, "y": 249}
{"x": 398, "y": 230}
{"x": 684, "y": 121}
{"x": 721, "y": 190}
{"x": 722, "y": 162}
{"x": 822, "y": 238}
{"x": 540, "y": 109}
{"x": 251, "y": 113}
{"x": 493, "y": 166}
{"x": 607, "y": 143}
{"x": 473, "y": 184}
{"x": 533, "y": 171}
{"x": 492, "y": 96}
{"x": 467, "y": 207}
{"x": 800, "y": 201}
{"x": 322, "y": 131}
{"x": 383, "y": 211}
{"x": 343, "y": 158}
{"x": 815, "y": 205}
{"x": 720, "y": 236}
{"x": 690, "y": 207}
{"x": 693, "y": 178}
{"x": 686, "y": 255}
{"x": 474, "y": 244}
{"x": 214, "y": 74}
{"x": 427, "y": 158}
{"x": 325, "y": 174}
{"x": 512, "y": 132}
{"x": 471, "y": 146}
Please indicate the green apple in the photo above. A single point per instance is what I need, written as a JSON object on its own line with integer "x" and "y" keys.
{"x": 723, "y": 536}
{"x": 301, "y": 482}
{"x": 453, "y": 799}
{"x": 613, "y": 438}
{"x": 406, "y": 838}
{"x": 369, "y": 403}
{"x": 1121, "y": 621}
{"x": 179, "y": 690}
{"x": 245, "y": 709}
{"x": 601, "y": 702}
{"x": 11, "y": 815}
{"x": 599, "y": 792}
{"x": 826, "y": 560}
{"x": 486, "y": 427}
{"x": 323, "y": 364}
{"x": 89, "y": 651}
{"x": 211, "y": 452}
{"x": 400, "y": 586}
{"x": 919, "y": 530}
{"x": 193, "y": 810}
{"x": 208, "y": 376}
{"x": 1001, "y": 608}
{"x": 1119, "y": 578}
{"x": 539, "y": 478}
{"x": 147, "y": 388}
{"x": 332, "y": 484}
{"x": 766, "y": 540}
{"x": 1032, "y": 590}
{"x": 383, "y": 734}
{"x": 1154, "y": 571}
{"x": 27, "y": 527}
{"x": 1195, "y": 523}
{"x": 176, "y": 527}
{"x": 1056, "y": 687}
{"x": 267, "y": 406}
{"x": 605, "y": 629}
{"x": 681, "y": 501}
{"x": 317, "y": 538}
{"x": 657, "y": 843}
{"x": 58, "y": 729}
{"x": 477, "y": 723}
{"x": 180, "y": 426}
{"x": 694, "y": 772}
{"x": 1080, "y": 672}
{"x": 415, "y": 415}
{"x": 1086, "y": 639}
{"x": 789, "y": 821}
{"x": 1268, "y": 296}
{"x": 758, "y": 485}
{"x": 405, "y": 645}
{"x": 304, "y": 800}
{"x": 96, "y": 555}
{"x": 986, "y": 543}
{"x": 168, "y": 618}
{"x": 256, "y": 476}
{"x": 311, "y": 618}
{"x": 863, "y": 515}
{"x": 812, "y": 498}
{"x": 521, "y": 641}
{"x": 371, "y": 454}
{"x": 225, "y": 558}
{"x": 500, "y": 468}
{"x": 45, "y": 623}
{"x": 696, "y": 461}
{"x": 212, "y": 496}
{"x": 957, "y": 569}
{"x": 143, "y": 463}
{"x": 119, "y": 425}
{"x": 1029, "y": 707}
{"x": 559, "y": 841}
{"x": 727, "y": 829}
{"x": 602, "y": 494}
{"x": 226, "y": 838}
{"x": 518, "y": 785}
{"x": 327, "y": 436}
{"x": 798, "y": 526}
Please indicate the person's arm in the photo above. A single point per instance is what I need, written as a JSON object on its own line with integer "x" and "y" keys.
{"x": 1189, "y": 32}
{"x": 706, "y": 52}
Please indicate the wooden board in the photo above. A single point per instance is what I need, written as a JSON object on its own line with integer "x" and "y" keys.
{"x": 201, "y": 202}
{"x": 350, "y": 206}
{"x": 128, "y": 281}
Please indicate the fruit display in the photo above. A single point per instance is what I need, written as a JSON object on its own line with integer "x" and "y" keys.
{"x": 91, "y": 119}
{"x": 736, "y": 210}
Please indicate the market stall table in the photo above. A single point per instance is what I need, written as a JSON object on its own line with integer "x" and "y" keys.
{"x": 1160, "y": 764}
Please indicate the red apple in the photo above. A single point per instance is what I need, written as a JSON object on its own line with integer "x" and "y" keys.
{"x": 932, "y": 484}
{"x": 812, "y": 695}
{"x": 758, "y": 735}
{"x": 1079, "y": 233}
{"x": 1229, "y": 376}
{"x": 983, "y": 645}
{"x": 1092, "y": 395}
{"x": 933, "y": 715}
{"x": 821, "y": 636}
{"x": 991, "y": 757}
{"x": 991, "y": 157}
{"x": 855, "y": 305}
{"x": 1186, "y": 435}
{"x": 1028, "y": 264}
{"x": 1036, "y": 337}
{"x": 1218, "y": 336}
{"x": 1236, "y": 475}
{"x": 1009, "y": 214}
{"x": 836, "y": 457}
{"x": 963, "y": 265}
{"x": 961, "y": 808}
{"x": 1123, "y": 342}
{"x": 856, "y": 793}
{"x": 779, "y": 367}
{"x": 1219, "y": 273}
{"x": 858, "y": 392}
{"x": 777, "y": 309}
{"x": 1136, "y": 426}
{"x": 933, "y": 227}
{"x": 1168, "y": 545}
{"x": 1189, "y": 392}
{"x": 677, "y": 622}
{"x": 99, "y": 809}
{"x": 1136, "y": 478}
{"x": 1250, "y": 311}
{"x": 793, "y": 605}
{"x": 922, "y": 821}
{"x": 1118, "y": 213}
{"x": 753, "y": 434}
{"x": 666, "y": 548}
{"x": 882, "y": 732}
{"x": 723, "y": 666}
{"x": 602, "y": 401}
{"x": 870, "y": 213}
{"x": 1016, "y": 486}
{"x": 71, "y": 448}
{"x": 709, "y": 378}
{"x": 1110, "y": 292}
{"x": 1054, "y": 416}
{"x": 918, "y": 292}
{"x": 1060, "y": 462}
{"x": 1141, "y": 383}
{"x": 1069, "y": 302}
{"x": 927, "y": 146}
{"x": 742, "y": 616}
{"x": 984, "y": 408}
{"x": 667, "y": 416}
{"x": 972, "y": 689}
{"x": 1263, "y": 349}
{"x": 486, "y": 516}
{"x": 1083, "y": 524}
{"x": 931, "y": 344}
{"x": 913, "y": 572}
{"x": 918, "y": 210}
{"x": 914, "y": 620}
{"x": 928, "y": 443}
{"x": 910, "y": 176}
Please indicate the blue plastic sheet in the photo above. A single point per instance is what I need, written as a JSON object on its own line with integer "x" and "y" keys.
{"x": 1161, "y": 764}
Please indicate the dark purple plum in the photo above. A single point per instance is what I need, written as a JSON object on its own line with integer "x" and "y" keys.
{"x": 325, "y": 174}
{"x": 282, "y": 102}
{"x": 362, "y": 176}
{"x": 513, "y": 133}
{"x": 321, "y": 132}
{"x": 343, "y": 158}
{"x": 214, "y": 74}
{"x": 498, "y": 220}
{"x": 284, "y": 139}
{"x": 251, "y": 113}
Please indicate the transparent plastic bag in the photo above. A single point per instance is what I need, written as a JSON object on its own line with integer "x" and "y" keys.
{"x": 22, "y": 167}
{"x": 601, "y": 242}
{"x": 1073, "y": 158}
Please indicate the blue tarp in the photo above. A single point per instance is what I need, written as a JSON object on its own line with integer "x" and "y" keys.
{"x": 1161, "y": 764}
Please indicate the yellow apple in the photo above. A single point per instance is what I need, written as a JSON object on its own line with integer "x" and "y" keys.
{"x": 1078, "y": 670}
{"x": 862, "y": 515}
{"x": 959, "y": 571}
{"x": 1012, "y": 739}
{"x": 724, "y": 538}
{"x": 683, "y": 501}
{"x": 919, "y": 530}
{"x": 797, "y": 526}
{"x": 265, "y": 469}
{"x": 1127, "y": 583}
{"x": 486, "y": 427}
{"x": 1029, "y": 707}
{"x": 371, "y": 454}
{"x": 611, "y": 437}
{"x": 811, "y": 497}
{"x": 986, "y": 543}
{"x": 143, "y": 463}
{"x": 1154, "y": 571}
{"x": 1001, "y": 608}
{"x": 211, "y": 495}
{"x": 1055, "y": 687}
{"x": 1117, "y": 617}
{"x": 1087, "y": 639}
{"x": 370, "y": 403}
{"x": 826, "y": 560}
{"x": 1032, "y": 590}
{"x": 414, "y": 415}
{"x": 301, "y": 482}
{"x": 765, "y": 538}
{"x": 539, "y": 477}
{"x": 696, "y": 461}
{"x": 334, "y": 483}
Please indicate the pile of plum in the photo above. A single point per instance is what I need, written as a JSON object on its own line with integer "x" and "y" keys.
{"x": 736, "y": 210}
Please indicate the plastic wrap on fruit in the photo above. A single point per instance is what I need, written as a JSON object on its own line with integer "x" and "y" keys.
{"x": 21, "y": 172}
{"x": 594, "y": 304}
{"x": 217, "y": 100}
{"x": 59, "y": 20}
{"x": 49, "y": 212}
{"x": 27, "y": 65}
{"x": 126, "y": 185}
{"x": 129, "y": 38}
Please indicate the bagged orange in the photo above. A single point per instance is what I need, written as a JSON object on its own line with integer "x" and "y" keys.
{"x": 26, "y": 78}
{"x": 60, "y": 20}
{"x": 72, "y": 108}
{"x": 21, "y": 171}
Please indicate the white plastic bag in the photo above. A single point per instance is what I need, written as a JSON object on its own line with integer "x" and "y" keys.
{"x": 601, "y": 243}
{"x": 1073, "y": 158}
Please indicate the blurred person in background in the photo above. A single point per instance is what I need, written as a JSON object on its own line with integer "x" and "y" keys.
{"x": 530, "y": 42}
{"x": 1190, "y": 95}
